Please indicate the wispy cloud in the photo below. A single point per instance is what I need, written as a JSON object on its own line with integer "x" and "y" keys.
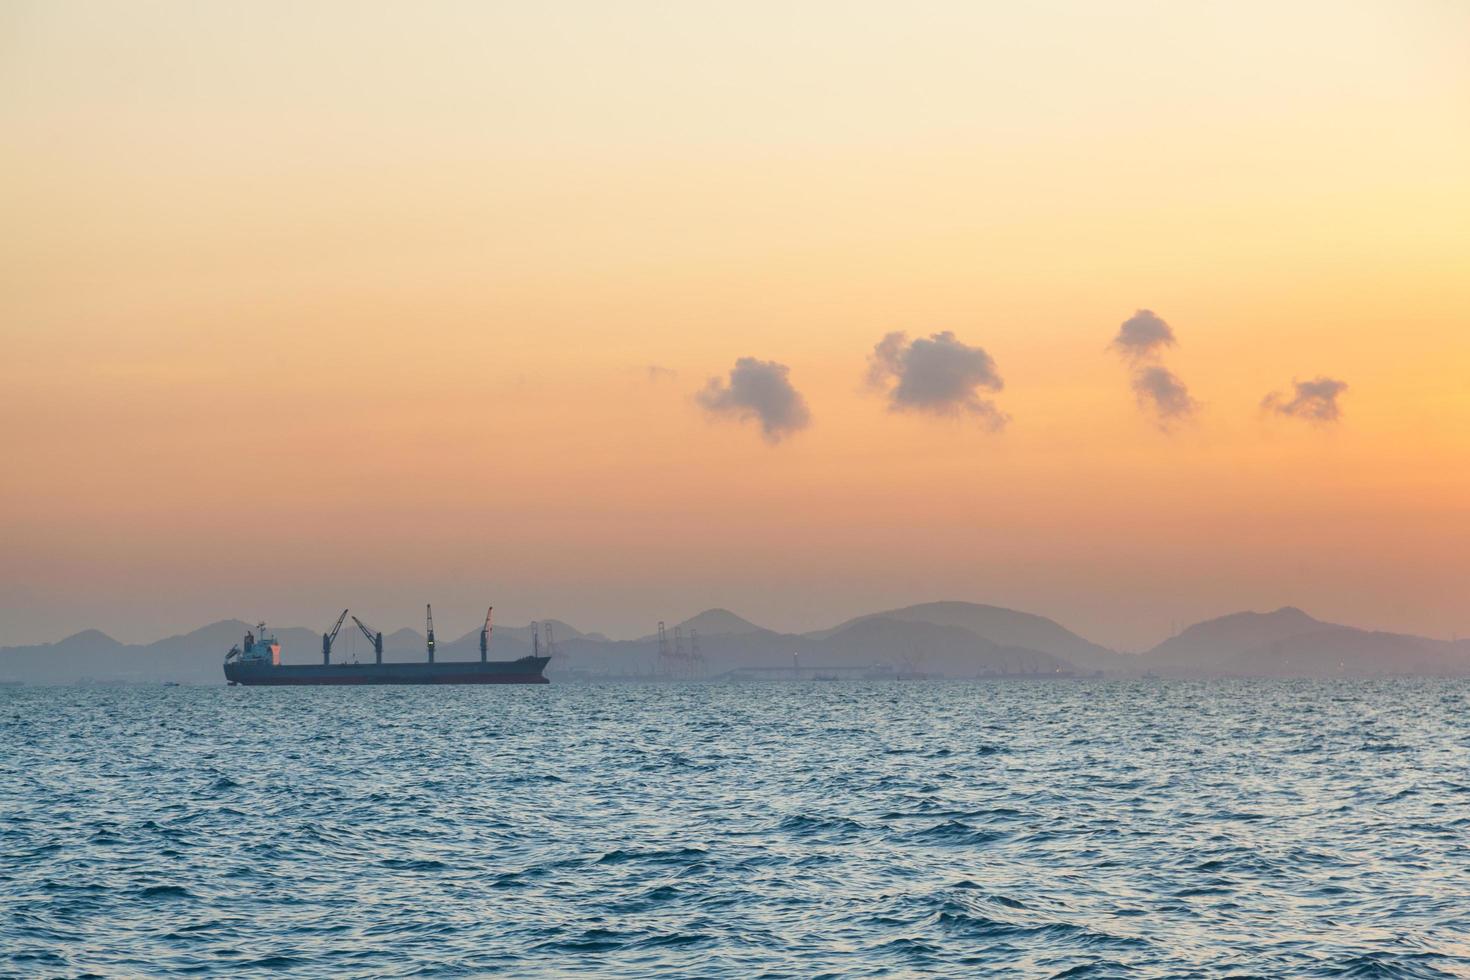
{"x": 1315, "y": 400}
{"x": 938, "y": 374}
{"x": 657, "y": 372}
{"x": 760, "y": 391}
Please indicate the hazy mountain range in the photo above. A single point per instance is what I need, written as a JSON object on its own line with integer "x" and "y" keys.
{"x": 1289, "y": 643}
{"x": 951, "y": 639}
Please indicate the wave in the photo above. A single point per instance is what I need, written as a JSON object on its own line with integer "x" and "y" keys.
{"x": 949, "y": 830}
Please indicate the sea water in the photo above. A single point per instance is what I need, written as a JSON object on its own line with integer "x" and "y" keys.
{"x": 1063, "y": 828}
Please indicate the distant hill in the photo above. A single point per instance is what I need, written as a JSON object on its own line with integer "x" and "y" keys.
{"x": 1007, "y": 628}
{"x": 1290, "y": 643}
{"x": 901, "y": 644}
{"x": 561, "y": 630}
{"x": 1215, "y": 641}
{"x": 955, "y": 639}
{"x": 925, "y": 647}
{"x": 95, "y": 656}
{"x": 712, "y": 622}
{"x": 719, "y": 621}
{"x": 1342, "y": 650}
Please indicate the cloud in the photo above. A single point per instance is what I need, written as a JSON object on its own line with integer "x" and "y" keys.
{"x": 1143, "y": 335}
{"x": 1159, "y": 390}
{"x": 1315, "y": 400}
{"x": 759, "y": 390}
{"x": 657, "y": 373}
{"x": 1141, "y": 339}
{"x": 886, "y": 361}
{"x": 937, "y": 374}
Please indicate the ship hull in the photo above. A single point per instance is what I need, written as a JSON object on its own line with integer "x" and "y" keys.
{"x": 527, "y": 670}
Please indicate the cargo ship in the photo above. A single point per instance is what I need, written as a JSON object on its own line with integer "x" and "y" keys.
{"x": 256, "y": 661}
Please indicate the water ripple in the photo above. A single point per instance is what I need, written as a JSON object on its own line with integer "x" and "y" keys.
{"x": 1140, "y": 829}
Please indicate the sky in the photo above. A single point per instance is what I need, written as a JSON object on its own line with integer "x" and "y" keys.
{"x": 1128, "y": 314}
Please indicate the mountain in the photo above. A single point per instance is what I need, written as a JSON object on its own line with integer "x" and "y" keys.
{"x": 904, "y": 645}
{"x": 711, "y": 622}
{"x": 1217, "y": 640}
{"x": 87, "y": 640}
{"x": 1344, "y": 651}
{"x": 1008, "y": 628}
{"x": 951, "y": 638}
{"x": 1290, "y": 643}
{"x": 561, "y": 630}
{"x": 956, "y": 639}
{"x": 89, "y": 649}
{"x": 92, "y": 655}
{"x": 932, "y": 648}
{"x": 714, "y": 622}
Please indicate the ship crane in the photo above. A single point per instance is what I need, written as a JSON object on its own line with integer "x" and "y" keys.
{"x": 485, "y": 635}
{"x": 329, "y": 638}
{"x": 429, "y": 613}
{"x": 374, "y": 637}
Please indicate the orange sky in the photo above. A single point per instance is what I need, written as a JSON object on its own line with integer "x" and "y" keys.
{"x": 305, "y": 306}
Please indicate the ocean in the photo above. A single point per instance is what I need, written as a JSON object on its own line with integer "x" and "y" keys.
{"x": 1029, "y": 829}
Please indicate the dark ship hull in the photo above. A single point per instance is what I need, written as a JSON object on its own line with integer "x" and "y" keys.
{"x": 527, "y": 670}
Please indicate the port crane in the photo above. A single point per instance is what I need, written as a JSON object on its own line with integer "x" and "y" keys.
{"x": 329, "y": 638}
{"x": 430, "y": 628}
{"x": 374, "y": 637}
{"x": 485, "y": 635}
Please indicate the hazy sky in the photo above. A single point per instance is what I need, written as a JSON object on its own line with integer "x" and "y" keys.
{"x": 313, "y": 305}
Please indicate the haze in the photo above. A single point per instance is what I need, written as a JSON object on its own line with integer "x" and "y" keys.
{"x": 305, "y": 306}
